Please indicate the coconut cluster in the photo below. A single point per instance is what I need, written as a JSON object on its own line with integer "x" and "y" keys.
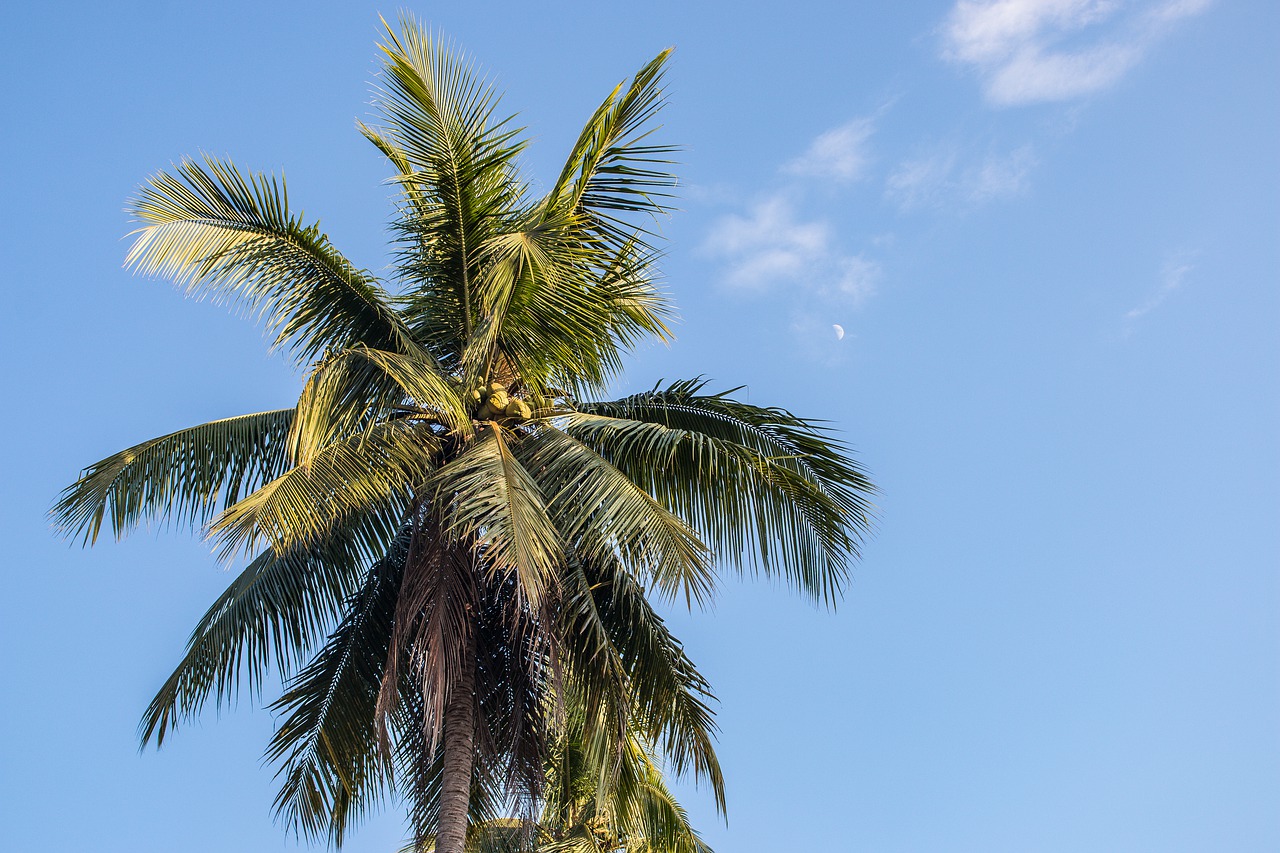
{"x": 493, "y": 402}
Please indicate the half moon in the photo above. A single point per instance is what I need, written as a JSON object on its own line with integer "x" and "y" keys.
{"x": 839, "y": 331}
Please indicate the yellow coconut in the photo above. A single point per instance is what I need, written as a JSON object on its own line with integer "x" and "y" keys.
{"x": 498, "y": 398}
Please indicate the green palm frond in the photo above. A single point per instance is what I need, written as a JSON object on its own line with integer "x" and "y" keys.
{"x": 456, "y": 161}
{"x": 610, "y": 798}
{"x": 233, "y": 236}
{"x": 352, "y": 390}
{"x": 184, "y": 477}
{"x": 631, "y": 673}
{"x": 571, "y": 285}
{"x": 273, "y": 613}
{"x": 490, "y": 499}
{"x": 560, "y": 306}
{"x": 660, "y": 819}
{"x": 602, "y": 512}
{"x": 611, "y": 169}
{"x": 372, "y": 475}
{"x": 767, "y": 489}
{"x": 327, "y": 745}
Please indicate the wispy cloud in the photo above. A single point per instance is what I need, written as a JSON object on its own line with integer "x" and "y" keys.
{"x": 939, "y": 180}
{"x": 1172, "y": 277}
{"x": 1032, "y": 51}
{"x": 771, "y": 247}
{"x": 840, "y": 154}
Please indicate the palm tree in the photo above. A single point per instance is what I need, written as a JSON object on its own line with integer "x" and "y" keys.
{"x": 446, "y": 533}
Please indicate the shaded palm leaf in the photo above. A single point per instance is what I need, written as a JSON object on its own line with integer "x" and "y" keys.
{"x": 332, "y": 767}
{"x": 630, "y": 673}
{"x": 272, "y": 614}
{"x": 185, "y": 476}
{"x": 766, "y": 488}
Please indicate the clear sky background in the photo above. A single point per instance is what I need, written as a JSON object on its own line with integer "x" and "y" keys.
{"x": 1051, "y": 229}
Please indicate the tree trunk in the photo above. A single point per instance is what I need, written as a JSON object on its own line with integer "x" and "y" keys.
{"x": 459, "y": 753}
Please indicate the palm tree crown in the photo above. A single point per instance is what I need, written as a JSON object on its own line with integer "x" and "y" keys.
{"x": 449, "y": 540}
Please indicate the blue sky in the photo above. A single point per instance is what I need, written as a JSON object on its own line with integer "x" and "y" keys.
{"x": 1051, "y": 231}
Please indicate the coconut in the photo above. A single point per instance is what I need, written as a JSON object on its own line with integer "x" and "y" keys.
{"x": 519, "y": 409}
{"x": 498, "y": 398}
{"x": 475, "y": 396}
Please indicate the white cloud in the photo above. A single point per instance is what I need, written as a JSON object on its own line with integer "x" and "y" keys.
{"x": 772, "y": 247}
{"x": 1172, "y": 276}
{"x": 938, "y": 180}
{"x": 1030, "y": 51}
{"x": 1000, "y": 175}
{"x": 839, "y": 154}
{"x": 921, "y": 182}
{"x": 766, "y": 245}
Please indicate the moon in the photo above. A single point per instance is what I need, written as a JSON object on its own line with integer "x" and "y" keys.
{"x": 839, "y": 331}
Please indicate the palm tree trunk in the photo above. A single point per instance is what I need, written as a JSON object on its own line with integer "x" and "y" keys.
{"x": 459, "y": 753}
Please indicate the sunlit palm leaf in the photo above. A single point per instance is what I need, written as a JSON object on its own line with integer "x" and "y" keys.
{"x": 490, "y": 499}
{"x": 372, "y": 475}
{"x": 351, "y": 391}
{"x": 559, "y": 306}
{"x": 233, "y": 236}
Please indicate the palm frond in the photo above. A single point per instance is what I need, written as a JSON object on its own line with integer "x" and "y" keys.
{"x": 371, "y": 476}
{"x": 768, "y": 490}
{"x": 613, "y": 169}
{"x": 456, "y": 161}
{"x": 611, "y": 795}
{"x": 232, "y": 236}
{"x": 352, "y": 390}
{"x": 270, "y": 615}
{"x": 559, "y": 306}
{"x": 184, "y": 477}
{"x": 630, "y": 673}
{"x": 491, "y": 500}
{"x": 603, "y": 513}
{"x": 327, "y": 745}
